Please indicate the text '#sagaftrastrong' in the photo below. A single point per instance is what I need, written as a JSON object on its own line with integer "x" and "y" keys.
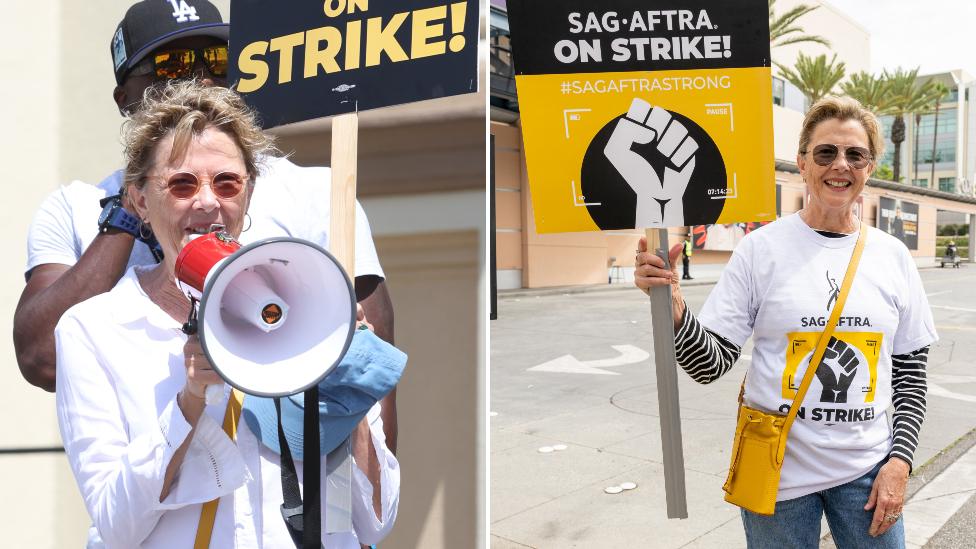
{"x": 662, "y": 84}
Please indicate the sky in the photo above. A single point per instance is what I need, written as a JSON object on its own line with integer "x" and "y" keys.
{"x": 938, "y": 35}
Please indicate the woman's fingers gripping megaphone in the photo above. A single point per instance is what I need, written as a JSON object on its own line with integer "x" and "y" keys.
{"x": 199, "y": 372}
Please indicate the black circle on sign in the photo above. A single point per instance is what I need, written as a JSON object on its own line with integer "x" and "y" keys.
{"x": 601, "y": 183}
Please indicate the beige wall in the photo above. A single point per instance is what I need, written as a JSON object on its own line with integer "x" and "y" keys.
{"x": 422, "y": 174}
{"x": 509, "y": 221}
{"x": 431, "y": 278}
{"x": 787, "y": 124}
{"x": 848, "y": 38}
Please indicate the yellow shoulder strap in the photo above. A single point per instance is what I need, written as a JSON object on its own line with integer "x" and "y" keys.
{"x": 824, "y": 338}
{"x": 209, "y": 512}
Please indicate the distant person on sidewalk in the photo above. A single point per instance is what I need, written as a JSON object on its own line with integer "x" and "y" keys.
{"x": 951, "y": 249}
{"x": 686, "y": 259}
{"x": 843, "y": 458}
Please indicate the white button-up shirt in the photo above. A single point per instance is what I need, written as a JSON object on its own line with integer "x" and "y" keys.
{"x": 119, "y": 367}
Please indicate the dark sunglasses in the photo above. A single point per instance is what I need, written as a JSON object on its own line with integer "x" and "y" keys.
{"x": 179, "y": 63}
{"x": 185, "y": 185}
{"x": 856, "y": 157}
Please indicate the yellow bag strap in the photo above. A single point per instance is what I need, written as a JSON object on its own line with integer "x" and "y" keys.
{"x": 209, "y": 512}
{"x": 825, "y": 337}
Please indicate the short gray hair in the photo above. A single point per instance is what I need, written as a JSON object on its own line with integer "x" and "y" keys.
{"x": 185, "y": 109}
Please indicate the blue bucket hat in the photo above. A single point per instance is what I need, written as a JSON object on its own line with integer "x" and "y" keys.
{"x": 369, "y": 370}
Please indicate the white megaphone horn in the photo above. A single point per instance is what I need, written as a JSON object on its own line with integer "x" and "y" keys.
{"x": 274, "y": 317}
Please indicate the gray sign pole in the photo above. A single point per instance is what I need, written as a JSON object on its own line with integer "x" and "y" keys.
{"x": 972, "y": 238}
{"x": 662, "y": 323}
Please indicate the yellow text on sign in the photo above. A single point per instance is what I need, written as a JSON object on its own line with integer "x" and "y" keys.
{"x": 361, "y": 43}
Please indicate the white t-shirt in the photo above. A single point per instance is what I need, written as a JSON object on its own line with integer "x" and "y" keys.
{"x": 778, "y": 287}
{"x": 288, "y": 200}
{"x": 120, "y": 366}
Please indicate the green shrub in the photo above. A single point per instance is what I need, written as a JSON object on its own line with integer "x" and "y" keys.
{"x": 951, "y": 229}
{"x": 961, "y": 241}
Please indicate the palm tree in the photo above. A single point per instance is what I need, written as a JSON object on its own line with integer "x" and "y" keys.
{"x": 783, "y": 31}
{"x": 871, "y": 91}
{"x": 918, "y": 124}
{"x": 814, "y": 76}
{"x": 906, "y": 97}
{"x": 939, "y": 92}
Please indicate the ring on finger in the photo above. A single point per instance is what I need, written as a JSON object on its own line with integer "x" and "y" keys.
{"x": 891, "y": 517}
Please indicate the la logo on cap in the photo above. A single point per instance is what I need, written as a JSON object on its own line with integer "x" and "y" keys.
{"x": 183, "y": 12}
{"x": 118, "y": 48}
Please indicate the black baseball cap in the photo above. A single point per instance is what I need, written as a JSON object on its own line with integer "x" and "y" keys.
{"x": 152, "y": 23}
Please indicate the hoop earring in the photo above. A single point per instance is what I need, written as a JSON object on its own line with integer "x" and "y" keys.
{"x": 145, "y": 231}
{"x": 247, "y": 217}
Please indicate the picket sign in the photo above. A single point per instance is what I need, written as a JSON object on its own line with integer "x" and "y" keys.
{"x": 665, "y": 364}
{"x": 342, "y": 241}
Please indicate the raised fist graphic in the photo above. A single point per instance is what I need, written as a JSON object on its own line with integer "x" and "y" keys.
{"x": 836, "y": 371}
{"x": 659, "y": 198}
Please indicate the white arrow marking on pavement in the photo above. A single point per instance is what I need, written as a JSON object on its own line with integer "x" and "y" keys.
{"x": 949, "y": 379}
{"x": 951, "y": 308}
{"x": 939, "y": 391}
{"x": 568, "y": 364}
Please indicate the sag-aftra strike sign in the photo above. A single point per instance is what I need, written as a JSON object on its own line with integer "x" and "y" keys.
{"x": 306, "y": 59}
{"x": 645, "y": 113}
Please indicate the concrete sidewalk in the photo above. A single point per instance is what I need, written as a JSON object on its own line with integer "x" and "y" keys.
{"x": 703, "y": 275}
{"x": 574, "y": 412}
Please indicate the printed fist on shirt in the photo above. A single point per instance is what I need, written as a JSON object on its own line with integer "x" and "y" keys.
{"x": 659, "y": 202}
{"x": 836, "y": 371}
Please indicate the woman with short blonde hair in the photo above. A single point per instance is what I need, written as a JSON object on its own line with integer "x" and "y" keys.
{"x": 145, "y": 445}
{"x": 842, "y": 459}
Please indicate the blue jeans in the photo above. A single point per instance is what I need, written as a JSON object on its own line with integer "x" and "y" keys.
{"x": 796, "y": 522}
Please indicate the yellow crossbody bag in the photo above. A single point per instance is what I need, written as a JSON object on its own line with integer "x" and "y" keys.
{"x": 760, "y": 437}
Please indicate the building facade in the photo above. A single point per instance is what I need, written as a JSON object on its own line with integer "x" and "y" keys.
{"x": 938, "y": 150}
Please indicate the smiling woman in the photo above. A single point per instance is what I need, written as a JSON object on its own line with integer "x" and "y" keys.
{"x": 839, "y": 456}
{"x": 838, "y": 144}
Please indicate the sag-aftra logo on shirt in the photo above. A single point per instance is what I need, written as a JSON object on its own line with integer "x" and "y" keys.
{"x": 848, "y": 373}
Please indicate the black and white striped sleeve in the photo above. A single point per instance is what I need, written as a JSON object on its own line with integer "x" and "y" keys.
{"x": 908, "y": 387}
{"x": 701, "y": 353}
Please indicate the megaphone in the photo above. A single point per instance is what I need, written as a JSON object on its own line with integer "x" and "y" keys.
{"x": 274, "y": 317}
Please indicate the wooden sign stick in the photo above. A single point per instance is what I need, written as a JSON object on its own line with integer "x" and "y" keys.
{"x": 662, "y": 324}
{"x": 342, "y": 241}
{"x": 342, "y": 228}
